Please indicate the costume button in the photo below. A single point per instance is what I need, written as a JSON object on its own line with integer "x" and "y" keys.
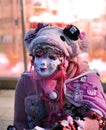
{"x": 92, "y": 91}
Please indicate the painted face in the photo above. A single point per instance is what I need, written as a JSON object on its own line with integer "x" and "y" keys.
{"x": 47, "y": 59}
{"x": 46, "y": 64}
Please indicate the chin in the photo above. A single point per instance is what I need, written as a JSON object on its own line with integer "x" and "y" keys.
{"x": 44, "y": 75}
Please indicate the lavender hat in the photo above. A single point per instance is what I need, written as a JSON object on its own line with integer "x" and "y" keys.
{"x": 69, "y": 39}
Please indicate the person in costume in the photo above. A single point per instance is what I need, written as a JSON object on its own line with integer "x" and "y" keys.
{"x": 60, "y": 91}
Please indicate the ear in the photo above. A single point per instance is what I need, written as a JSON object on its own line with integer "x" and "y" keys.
{"x": 28, "y": 37}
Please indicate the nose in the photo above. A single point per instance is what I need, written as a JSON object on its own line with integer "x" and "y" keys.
{"x": 43, "y": 62}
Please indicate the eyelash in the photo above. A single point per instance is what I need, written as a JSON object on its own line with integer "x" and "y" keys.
{"x": 52, "y": 57}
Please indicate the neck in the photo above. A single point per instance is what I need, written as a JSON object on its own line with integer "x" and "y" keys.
{"x": 49, "y": 83}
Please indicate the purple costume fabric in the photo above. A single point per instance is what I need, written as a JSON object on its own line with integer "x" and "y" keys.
{"x": 89, "y": 84}
{"x": 86, "y": 88}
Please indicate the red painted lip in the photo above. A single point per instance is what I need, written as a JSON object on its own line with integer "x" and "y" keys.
{"x": 42, "y": 69}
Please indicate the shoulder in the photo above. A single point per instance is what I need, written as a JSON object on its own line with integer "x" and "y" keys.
{"x": 89, "y": 73}
{"x": 30, "y": 75}
{"x": 24, "y": 79}
{"x": 25, "y": 74}
{"x": 25, "y": 83}
{"x": 90, "y": 77}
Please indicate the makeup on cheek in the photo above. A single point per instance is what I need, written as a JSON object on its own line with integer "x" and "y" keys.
{"x": 46, "y": 65}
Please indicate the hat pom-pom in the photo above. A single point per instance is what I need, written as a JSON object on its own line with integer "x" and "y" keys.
{"x": 31, "y": 34}
{"x": 28, "y": 37}
{"x": 82, "y": 35}
{"x": 83, "y": 41}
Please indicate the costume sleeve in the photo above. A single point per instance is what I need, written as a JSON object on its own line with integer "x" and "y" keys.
{"x": 20, "y": 118}
{"x": 87, "y": 92}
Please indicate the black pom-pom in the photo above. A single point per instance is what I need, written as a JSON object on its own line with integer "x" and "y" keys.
{"x": 62, "y": 38}
{"x": 31, "y": 36}
{"x": 72, "y": 32}
{"x": 10, "y": 127}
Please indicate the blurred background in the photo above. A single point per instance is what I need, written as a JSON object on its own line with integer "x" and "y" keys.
{"x": 18, "y": 16}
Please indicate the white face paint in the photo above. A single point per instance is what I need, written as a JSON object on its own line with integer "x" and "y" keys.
{"x": 46, "y": 65}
